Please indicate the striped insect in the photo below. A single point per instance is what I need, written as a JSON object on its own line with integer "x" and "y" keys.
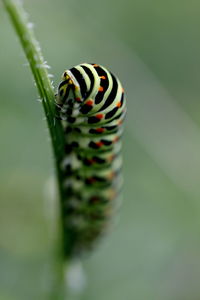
{"x": 91, "y": 104}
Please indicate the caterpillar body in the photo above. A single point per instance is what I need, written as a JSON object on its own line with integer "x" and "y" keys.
{"x": 91, "y": 104}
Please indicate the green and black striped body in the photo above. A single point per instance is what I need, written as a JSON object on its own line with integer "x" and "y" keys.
{"x": 91, "y": 104}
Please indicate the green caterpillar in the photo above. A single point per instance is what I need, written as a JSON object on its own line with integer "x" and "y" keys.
{"x": 91, "y": 104}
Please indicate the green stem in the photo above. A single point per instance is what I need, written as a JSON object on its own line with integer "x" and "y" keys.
{"x": 39, "y": 69}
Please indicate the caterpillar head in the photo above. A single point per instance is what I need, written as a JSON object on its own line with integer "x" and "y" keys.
{"x": 74, "y": 87}
{"x": 68, "y": 90}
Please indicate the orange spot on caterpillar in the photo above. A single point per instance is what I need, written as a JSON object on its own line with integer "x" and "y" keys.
{"x": 122, "y": 90}
{"x": 95, "y": 65}
{"x": 91, "y": 180}
{"x": 99, "y": 144}
{"x": 91, "y": 161}
{"x": 102, "y": 77}
{"x": 120, "y": 122}
{"x": 110, "y": 158}
{"x": 94, "y": 199}
{"x": 78, "y": 99}
{"x": 111, "y": 175}
{"x": 99, "y": 129}
{"x": 99, "y": 116}
{"x": 118, "y": 104}
{"x": 116, "y": 139}
{"x": 101, "y": 89}
{"x": 89, "y": 102}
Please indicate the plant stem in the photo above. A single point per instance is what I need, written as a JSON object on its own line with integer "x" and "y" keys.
{"x": 39, "y": 69}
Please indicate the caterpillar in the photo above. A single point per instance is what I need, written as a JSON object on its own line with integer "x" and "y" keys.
{"x": 90, "y": 102}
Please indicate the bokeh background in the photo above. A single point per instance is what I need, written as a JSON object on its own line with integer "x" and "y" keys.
{"x": 153, "y": 251}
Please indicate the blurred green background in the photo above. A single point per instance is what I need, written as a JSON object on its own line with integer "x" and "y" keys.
{"x": 153, "y": 251}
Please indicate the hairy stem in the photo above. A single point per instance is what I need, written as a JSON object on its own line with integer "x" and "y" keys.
{"x": 39, "y": 69}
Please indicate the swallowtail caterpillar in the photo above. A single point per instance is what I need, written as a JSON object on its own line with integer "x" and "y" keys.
{"x": 91, "y": 104}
